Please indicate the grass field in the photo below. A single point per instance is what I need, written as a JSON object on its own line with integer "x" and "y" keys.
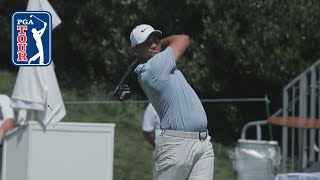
{"x": 132, "y": 154}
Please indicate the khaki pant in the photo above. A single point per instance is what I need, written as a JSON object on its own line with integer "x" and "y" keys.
{"x": 179, "y": 158}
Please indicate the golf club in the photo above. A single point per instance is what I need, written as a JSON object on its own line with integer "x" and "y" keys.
{"x": 122, "y": 91}
{"x": 36, "y": 18}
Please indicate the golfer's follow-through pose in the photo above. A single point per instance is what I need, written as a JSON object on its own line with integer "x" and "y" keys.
{"x": 37, "y": 37}
{"x": 183, "y": 149}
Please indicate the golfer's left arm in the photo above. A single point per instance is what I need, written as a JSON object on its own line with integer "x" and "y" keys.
{"x": 179, "y": 44}
{"x": 43, "y": 29}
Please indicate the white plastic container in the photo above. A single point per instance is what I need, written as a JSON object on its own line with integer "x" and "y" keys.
{"x": 67, "y": 151}
{"x": 256, "y": 159}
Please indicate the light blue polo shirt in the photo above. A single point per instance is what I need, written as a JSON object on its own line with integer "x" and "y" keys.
{"x": 176, "y": 103}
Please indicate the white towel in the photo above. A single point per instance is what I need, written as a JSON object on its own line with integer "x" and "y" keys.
{"x": 37, "y": 88}
{"x": 44, "y": 5}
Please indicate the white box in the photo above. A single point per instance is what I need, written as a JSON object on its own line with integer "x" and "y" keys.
{"x": 67, "y": 151}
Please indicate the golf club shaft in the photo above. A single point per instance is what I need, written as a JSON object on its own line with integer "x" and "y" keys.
{"x": 37, "y": 18}
{"x": 128, "y": 71}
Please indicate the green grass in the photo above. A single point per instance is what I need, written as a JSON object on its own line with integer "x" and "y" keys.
{"x": 7, "y": 81}
{"x": 223, "y": 164}
{"x": 132, "y": 154}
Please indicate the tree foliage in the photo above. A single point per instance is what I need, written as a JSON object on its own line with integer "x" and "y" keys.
{"x": 231, "y": 41}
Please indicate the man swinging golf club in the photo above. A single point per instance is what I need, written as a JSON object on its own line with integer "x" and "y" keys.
{"x": 183, "y": 149}
{"x": 37, "y": 34}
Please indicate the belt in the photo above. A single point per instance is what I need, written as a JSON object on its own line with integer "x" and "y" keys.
{"x": 191, "y": 135}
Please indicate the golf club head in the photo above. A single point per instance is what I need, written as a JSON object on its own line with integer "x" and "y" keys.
{"x": 122, "y": 92}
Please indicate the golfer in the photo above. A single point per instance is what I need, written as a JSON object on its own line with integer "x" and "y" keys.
{"x": 183, "y": 149}
{"x": 37, "y": 37}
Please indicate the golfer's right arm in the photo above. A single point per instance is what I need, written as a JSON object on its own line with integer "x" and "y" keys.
{"x": 179, "y": 44}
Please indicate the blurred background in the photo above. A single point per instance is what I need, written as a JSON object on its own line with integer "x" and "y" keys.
{"x": 238, "y": 49}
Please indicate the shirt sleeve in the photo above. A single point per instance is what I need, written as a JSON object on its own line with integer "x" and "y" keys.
{"x": 149, "y": 119}
{"x": 163, "y": 64}
{"x": 7, "y": 111}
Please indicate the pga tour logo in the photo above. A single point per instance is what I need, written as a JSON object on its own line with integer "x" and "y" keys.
{"x": 31, "y": 38}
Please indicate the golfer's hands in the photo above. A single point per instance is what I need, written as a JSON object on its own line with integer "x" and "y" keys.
{"x": 122, "y": 92}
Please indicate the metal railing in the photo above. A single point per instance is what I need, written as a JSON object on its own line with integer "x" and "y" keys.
{"x": 301, "y": 99}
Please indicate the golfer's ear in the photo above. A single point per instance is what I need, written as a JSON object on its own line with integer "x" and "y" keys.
{"x": 134, "y": 51}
